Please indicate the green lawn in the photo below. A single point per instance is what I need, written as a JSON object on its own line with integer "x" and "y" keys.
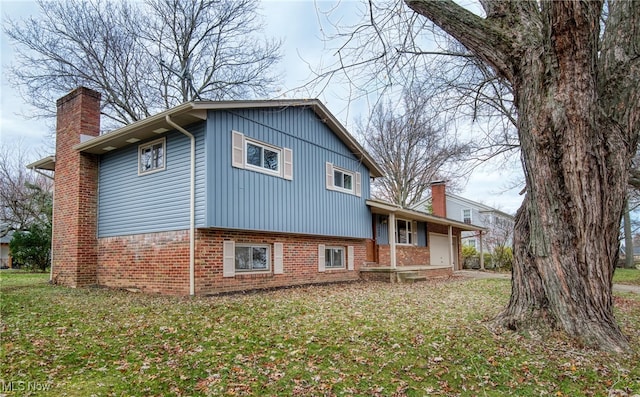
{"x": 627, "y": 276}
{"x": 363, "y": 339}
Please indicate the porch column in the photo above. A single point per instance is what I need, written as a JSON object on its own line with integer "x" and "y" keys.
{"x": 392, "y": 239}
{"x": 481, "y": 253}
{"x": 451, "y": 248}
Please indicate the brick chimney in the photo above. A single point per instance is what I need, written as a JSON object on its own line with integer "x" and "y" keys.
{"x": 439, "y": 198}
{"x": 75, "y": 190}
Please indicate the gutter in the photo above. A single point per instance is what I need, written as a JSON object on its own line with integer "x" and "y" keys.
{"x": 192, "y": 204}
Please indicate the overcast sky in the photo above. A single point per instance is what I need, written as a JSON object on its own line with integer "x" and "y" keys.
{"x": 297, "y": 23}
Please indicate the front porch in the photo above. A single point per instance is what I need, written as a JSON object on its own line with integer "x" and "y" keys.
{"x": 404, "y": 274}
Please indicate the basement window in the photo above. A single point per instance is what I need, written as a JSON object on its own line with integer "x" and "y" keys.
{"x": 334, "y": 258}
{"x": 251, "y": 258}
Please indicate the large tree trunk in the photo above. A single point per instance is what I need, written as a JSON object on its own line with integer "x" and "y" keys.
{"x": 577, "y": 139}
{"x": 574, "y": 169}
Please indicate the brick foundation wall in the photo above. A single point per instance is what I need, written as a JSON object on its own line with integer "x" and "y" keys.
{"x": 300, "y": 262}
{"x": 385, "y": 277}
{"x": 152, "y": 263}
{"x": 159, "y": 262}
{"x": 75, "y": 191}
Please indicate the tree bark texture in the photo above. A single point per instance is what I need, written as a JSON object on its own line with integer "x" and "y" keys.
{"x": 576, "y": 91}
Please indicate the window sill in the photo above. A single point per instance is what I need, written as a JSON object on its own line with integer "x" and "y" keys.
{"x": 253, "y": 273}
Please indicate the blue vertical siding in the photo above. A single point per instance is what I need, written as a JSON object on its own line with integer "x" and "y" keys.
{"x": 129, "y": 203}
{"x": 382, "y": 229}
{"x": 244, "y": 199}
{"x": 422, "y": 234}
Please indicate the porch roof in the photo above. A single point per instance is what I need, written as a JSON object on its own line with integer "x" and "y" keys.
{"x": 386, "y": 208}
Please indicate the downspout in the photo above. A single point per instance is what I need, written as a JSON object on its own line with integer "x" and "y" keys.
{"x": 192, "y": 204}
{"x": 37, "y": 171}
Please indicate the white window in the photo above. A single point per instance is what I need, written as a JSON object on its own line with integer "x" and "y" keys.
{"x": 404, "y": 232}
{"x": 252, "y": 258}
{"x": 342, "y": 180}
{"x": 265, "y": 158}
{"x": 466, "y": 215}
{"x": 471, "y": 242}
{"x": 334, "y": 258}
{"x": 151, "y": 157}
{"x": 330, "y": 257}
{"x": 258, "y": 156}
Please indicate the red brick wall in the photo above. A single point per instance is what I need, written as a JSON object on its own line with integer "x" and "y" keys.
{"x": 75, "y": 190}
{"x": 439, "y": 199}
{"x": 300, "y": 261}
{"x": 384, "y": 255}
{"x": 412, "y": 255}
{"x": 406, "y": 255}
{"x": 152, "y": 263}
{"x": 159, "y": 262}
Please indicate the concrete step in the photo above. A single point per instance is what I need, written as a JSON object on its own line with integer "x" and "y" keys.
{"x": 410, "y": 277}
{"x": 413, "y": 279}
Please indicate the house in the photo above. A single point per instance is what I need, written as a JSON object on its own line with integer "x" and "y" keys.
{"x": 405, "y": 240}
{"x": 5, "y": 254}
{"x": 211, "y": 197}
{"x": 498, "y": 224}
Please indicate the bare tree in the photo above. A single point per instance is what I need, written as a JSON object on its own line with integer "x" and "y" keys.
{"x": 413, "y": 145}
{"x": 499, "y": 238}
{"x": 25, "y": 197}
{"x": 389, "y": 47}
{"x": 143, "y": 57}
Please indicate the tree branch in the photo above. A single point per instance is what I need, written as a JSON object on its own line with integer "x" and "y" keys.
{"x": 486, "y": 39}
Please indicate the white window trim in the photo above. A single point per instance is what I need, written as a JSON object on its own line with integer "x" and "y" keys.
{"x": 344, "y": 257}
{"x": 470, "y": 215}
{"x": 164, "y": 155}
{"x": 263, "y": 146}
{"x": 239, "y": 144}
{"x": 413, "y": 232}
{"x": 356, "y": 180}
{"x": 251, "y": 245}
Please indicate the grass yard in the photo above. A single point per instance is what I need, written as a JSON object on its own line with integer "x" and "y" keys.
{"x": 627, "y": 276}
{"x": 365, "y": 339}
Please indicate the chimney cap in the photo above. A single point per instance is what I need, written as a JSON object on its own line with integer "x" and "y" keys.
{"x": 439, "y": 182}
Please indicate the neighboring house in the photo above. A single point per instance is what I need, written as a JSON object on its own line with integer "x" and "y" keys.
{"x": 5, "y": 257}
{"x": 211, "y": 197}
{"x": 498, "y": 224}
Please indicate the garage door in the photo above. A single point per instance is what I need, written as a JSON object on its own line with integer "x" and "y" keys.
{"x": 440, "y": 250}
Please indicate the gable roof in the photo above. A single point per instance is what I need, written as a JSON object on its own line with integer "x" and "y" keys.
{"x": 191, "y": 112}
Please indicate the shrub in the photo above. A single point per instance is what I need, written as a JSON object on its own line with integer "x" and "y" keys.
{"x": 32, "y": 248}
{"x": 503, "y": 257}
